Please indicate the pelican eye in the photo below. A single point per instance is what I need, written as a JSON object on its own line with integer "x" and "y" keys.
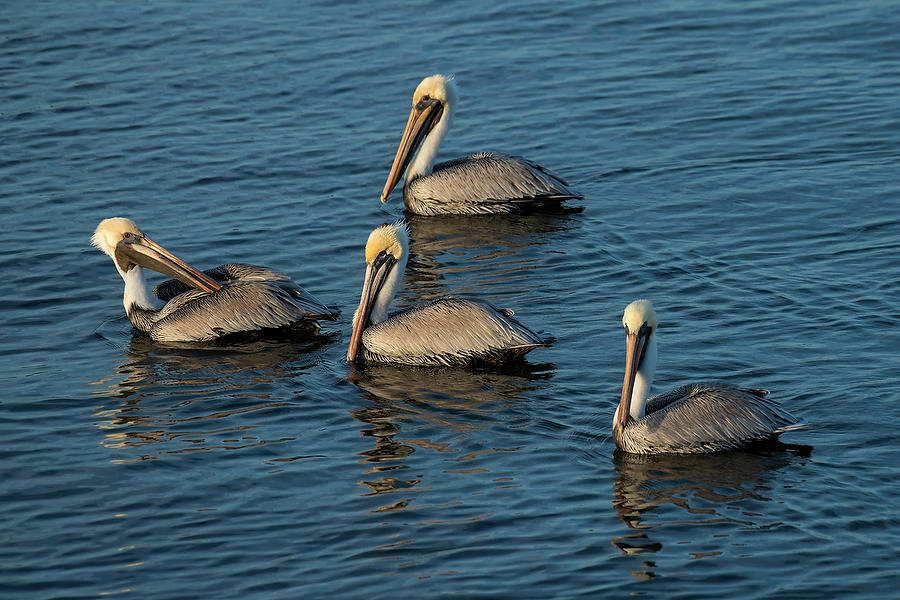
{"x": 424, "y": 102}
{"x": 383, "y": 257}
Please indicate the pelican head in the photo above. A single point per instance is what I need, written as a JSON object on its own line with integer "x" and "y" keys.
{"x": 640, "y": 324}
{"x": 112, "y": 231}
{"x": 427, "y": 125}
{"x": 129, "y": 248}
{"x": 386, "y": 253}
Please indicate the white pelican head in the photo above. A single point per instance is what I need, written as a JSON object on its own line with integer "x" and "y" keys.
{"x": 129, "y": 248}
{"x": 112, "y": 231}
{"x": 432, "y": 105}
{"x": 387, "y": 251}
{"x": 640, "y": 324}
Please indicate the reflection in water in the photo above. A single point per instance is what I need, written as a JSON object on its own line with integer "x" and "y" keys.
{"x": 487, "y": 250}
{"x": 182, "y": 396}
{"x": 702, "y": 487}
{"x": 432, "y": 407}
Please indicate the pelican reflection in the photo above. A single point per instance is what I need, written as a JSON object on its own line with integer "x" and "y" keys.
{"x": 672, "y": 491}
{"x": 486, "y": 251}
{"x": 422, "y": 408}
{"x": 163, "y": 400}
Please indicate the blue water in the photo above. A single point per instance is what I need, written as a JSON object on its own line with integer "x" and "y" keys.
{"x": 739, "y": 167}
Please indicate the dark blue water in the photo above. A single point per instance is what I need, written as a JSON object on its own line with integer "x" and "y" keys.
{"x": 739, "y": 167}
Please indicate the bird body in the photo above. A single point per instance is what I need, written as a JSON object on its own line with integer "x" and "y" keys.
{"x": 447, "y": 331}
{"x": 450, "y": 331}
{"x": 695, "y": 418}
{"x": 202, "y": 306}
{"x": 482, "y": 183}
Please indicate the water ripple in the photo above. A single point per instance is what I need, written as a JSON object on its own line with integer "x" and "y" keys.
{"x": 738, "y": 164}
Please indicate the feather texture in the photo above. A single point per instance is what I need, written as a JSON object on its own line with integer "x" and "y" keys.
{"x": 252, "y": 298}
{"x": 224, "y": 273}
{"x": 705, "y": 417}
{"x": 450, "y": 331}
{"x": 483, "y": 183}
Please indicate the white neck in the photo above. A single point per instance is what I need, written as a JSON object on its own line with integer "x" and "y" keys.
{"x": 137, "y": 292}
{"x": 643, "y": 379}
{"x": 424, "y": 160}
{"x": 388, "y": 290}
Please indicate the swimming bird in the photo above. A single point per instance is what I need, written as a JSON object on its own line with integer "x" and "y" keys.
{"x": 447, "y": 331}
{"x": 482, "y": 183}
{"x": 695, "y": 418}
{"x": 202, "y": 306}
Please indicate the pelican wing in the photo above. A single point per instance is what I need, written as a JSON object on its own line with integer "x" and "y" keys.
{"x": 488, "y": 182}
{"x": 223, "y": 273}
{"x": 238, "y": 307}
{"x": 450, "y": 331}
{"x": 708, "y": 417}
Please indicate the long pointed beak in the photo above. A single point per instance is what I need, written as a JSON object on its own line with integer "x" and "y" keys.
{"x": 634, "y": 349}
{"x": 145, "y": 252}
{"x": 422, "y": 118}
{"x": 376, "y": 273}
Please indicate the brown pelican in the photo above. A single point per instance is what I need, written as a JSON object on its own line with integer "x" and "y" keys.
{"x": 449, "y": 331}
{"x": 695, "y": 418}
{"x": 482, "y": 183}
{"x": 202, "y": 306}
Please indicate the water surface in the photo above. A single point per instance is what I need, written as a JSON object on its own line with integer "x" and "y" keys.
{"x": 739, "y": 167}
